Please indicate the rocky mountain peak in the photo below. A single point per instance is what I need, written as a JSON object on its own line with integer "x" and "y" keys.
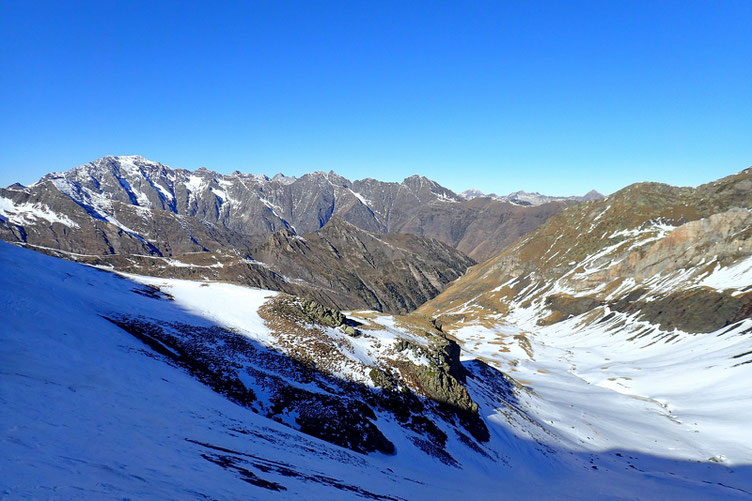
{"x": 592, "y": 195}
{"x": 281, "y": 178}
{"x": 426, "y": 189}
{"x": 473, "y": 193}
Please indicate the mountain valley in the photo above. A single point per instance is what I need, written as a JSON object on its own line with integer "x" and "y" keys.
{"x": 210, "y": 336}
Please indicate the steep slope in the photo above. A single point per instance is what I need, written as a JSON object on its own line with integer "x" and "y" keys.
{"x": 394, "y": 273}
{"x": 162, "y": 388}
{"x": 340, "y": 266}
{"x": 480, "y": 227}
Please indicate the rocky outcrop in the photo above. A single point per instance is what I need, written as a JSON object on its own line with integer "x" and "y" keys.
{"x": 442, "y": 378}
{"x": 419, "y": 380}
{"x": 306, "y": 311}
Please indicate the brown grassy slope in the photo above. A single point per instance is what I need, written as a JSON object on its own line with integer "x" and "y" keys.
{"x": 581, "y": 230}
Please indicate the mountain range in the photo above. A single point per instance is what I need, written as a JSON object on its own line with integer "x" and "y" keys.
{"x": 142, "y": 216}
{"x": 527, "y": 198}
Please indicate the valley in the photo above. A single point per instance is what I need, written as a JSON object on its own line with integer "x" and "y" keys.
{"x": 605, "y": 353}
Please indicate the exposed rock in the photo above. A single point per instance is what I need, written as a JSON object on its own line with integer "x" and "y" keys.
{"x": 306, "y": 311}
{"x": 563, "y": 306}
{"x": 381, "y": 379}
{"x": 442, "y": 379}
{"x": 697, "y": 310}
{"x": 223, "y": 360}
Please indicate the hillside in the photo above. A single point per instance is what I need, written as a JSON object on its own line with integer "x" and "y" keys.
{"x": 648, "y": 241}
{"x": 642, "y": 299}
{"x": 162, "y": 388}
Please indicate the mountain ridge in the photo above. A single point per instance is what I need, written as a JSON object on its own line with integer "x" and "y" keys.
{"x": 647, "y": 212}
{"x": 526, "y": 198}
{"x": 383, "y": 207}
{"x": 125, "y": 208}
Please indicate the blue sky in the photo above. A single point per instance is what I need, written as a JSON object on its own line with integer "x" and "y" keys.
{"x": 557, "y": 97}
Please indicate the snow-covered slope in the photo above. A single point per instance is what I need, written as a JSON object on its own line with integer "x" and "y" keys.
{"x": 597, "y": 388}
{"x": 88, "y": 409}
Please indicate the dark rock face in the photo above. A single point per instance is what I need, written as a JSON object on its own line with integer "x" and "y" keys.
{"x": 442, "y": 379}
{"x": 306, "y": 311}
{"x": 563, "y": 306}
{"x": 698, "y": 310}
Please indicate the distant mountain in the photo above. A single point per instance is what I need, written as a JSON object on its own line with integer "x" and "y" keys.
{"x": 121, "y": 210}
{"x": 480, "y": 227}
{"x": 526, "y": 198}
{"x": 250, "y": 204}
{"x": 473, "y": 193}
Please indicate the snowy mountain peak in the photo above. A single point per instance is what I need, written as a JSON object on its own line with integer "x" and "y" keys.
{"x": 473, "y": 193}
{"x": 530, "y": 198}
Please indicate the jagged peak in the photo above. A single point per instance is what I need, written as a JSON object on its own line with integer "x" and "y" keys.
{"x": 417, "y": 178}
{"x": 128, "y": 160}
{"x": 130, "y": 157}
{"x": 281, "y": 178}
{"x": 520, "y": 193}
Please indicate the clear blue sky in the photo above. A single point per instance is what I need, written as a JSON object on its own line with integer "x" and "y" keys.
{"x": 557, "y": 97}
